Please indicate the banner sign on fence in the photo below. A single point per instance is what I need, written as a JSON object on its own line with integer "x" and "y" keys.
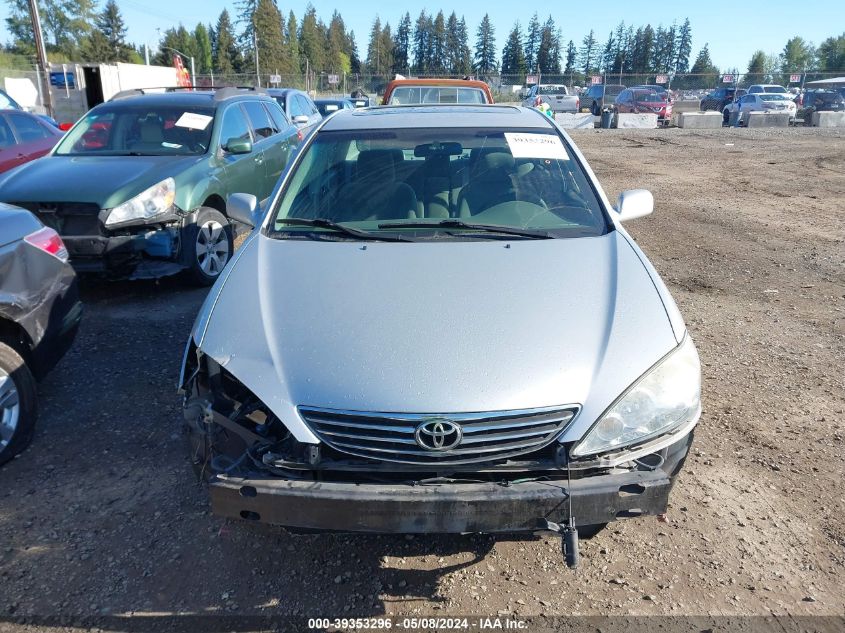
{"x": 794, "y": 79}
{"x": 530, "y": 80}
{"x": 727, "y": 79}
{"x": 334, "y": 79}
{"x": 661, "y": 79}
{"x": 595, "y": 79}
{"x": 275, "y": 79}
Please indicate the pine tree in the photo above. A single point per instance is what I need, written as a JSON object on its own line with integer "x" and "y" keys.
{"x": 422, "y": 42}
{"x": 548, "y": 52}
{"x": 311, "y": 41}
{"x": 589, "y": 53}
{"x": 292, "y": 41}
{"x": 757, "y": 64}
{"x": 373, "y": 49}
{"x": 797, "y": 55}
{"x": 485, "y": 53}
{"x": 401, "y": 45}
{"x": 683, "y": 48}
{"x": 267, "y": 22}
{"x": 110, "y": 24}
{"x": 830, "y": 54}
{"x": 513, "y": 56}
{"x": 439, "y": 57}
{"x": 571, "y": 55}
{"x": 703, "y": 64}
{"x": 532, "y": 43}
{"x": 608, "y": 56}
{"x": 338, "y": 58}
{"x": 226, "y": 54}
{"x": 465, "y": 56}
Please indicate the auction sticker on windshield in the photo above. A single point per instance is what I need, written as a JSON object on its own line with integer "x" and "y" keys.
{"x": 193, "y": 120}
{"x": 524, "y": 145}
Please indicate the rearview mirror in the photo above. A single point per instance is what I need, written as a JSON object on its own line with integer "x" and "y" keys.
{"x": 300, "y": 119}
{"x": 238, "y": 146}
{"x": 243, "y": 207}
{"x": 634, "y": 203}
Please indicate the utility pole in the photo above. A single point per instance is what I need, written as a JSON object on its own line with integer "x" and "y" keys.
{"x": 255, "y": 45}
{"x": 46, "y": 100}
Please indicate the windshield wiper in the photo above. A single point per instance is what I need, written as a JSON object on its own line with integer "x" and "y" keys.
{"x": 331, "y": 225}
{"x": 460, "y": 224}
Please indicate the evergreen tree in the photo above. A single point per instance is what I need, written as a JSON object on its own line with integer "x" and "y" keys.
{"x": 338, "y": 58}
{"x": 373, "y": 52}
{"x": 465, "y": 56}
{"x": 797, "y": 55}
{"x": 267, "y": 22}
{"x": 571, "y": 56}
{"x": 226, "y": 55}
{"x": 532, "y": 43}
{"x": 401, "y": 45}
{"x": 422, "y": 42}
{"x": 683, "y": 48}
{"x": 513, "y": 55}
{"x": 548, "y": 52}
{"x": 485, "y": 53}
{"x": 354, "y": 57}
{"x": 204, "y": 59}
{"x": 608, "y": 56}
{"x": 757, "y": 64}
{"x": 292, "y": 41}
{"x": 439, "y": 57}
{"x": 110, "y": 23}
{"x": 311, "y": 41}
{"x": 589, "y": 53}
{"x": 703, "y": 64}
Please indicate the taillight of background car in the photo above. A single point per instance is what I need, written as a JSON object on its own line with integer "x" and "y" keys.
{"x": 49, "y": 241}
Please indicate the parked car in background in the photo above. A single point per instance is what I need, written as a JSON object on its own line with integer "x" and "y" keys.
{"x": 769, "y": 89}
{"x": 601, "y": 394}
{"x": 436, "y": 91}
{"x": 599, "y": 95}
{"x": 719, "y": 98}
{"x": 330, "y": 106}
{"x": 7, "y": 103}
{"x": 760, "y": 102}
{"x": 299, "y": 108}
{"x": 820, "y": 101}
{"x": 555, "y": 95}
{"x": 644, "y": 101}
{"x": 137, "y": 188}
{"x": 39, "y": 315}
{"x": 24, "y": 137}
{"x": 662, "y": 90}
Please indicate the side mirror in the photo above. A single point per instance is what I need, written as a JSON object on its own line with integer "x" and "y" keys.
{"x": 300, "y": 119}
{"x": 634, "y": 203}
{"x": 238, "y": 146}
{"x": 243, "y": 207}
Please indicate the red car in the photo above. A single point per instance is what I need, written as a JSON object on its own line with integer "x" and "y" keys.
{"x": 645, "y": 101}
{"x": 24, "y": 137}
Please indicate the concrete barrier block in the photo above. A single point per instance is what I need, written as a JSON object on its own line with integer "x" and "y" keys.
{"x": 700, "y": 120}
{"x": 571, "y": 121}
{"x": 629, "y": 120}
{"x": 767, "y": 119}
{"x": 828, "y": 119}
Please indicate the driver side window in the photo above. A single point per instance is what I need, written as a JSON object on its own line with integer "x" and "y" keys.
{"x": 234, "y": 126}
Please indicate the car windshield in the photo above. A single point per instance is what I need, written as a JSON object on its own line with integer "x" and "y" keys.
{"x": 648, "y": 96}
{"x": 828, "y": 97}
{"x": 120, "y": 130}
{"x": 774, "y": 97}
{"x": 405, "y": 95}
{"x": 774, "y": 89}
{"x": 394, "y": 181}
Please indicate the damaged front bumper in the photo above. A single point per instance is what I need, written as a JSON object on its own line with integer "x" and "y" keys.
{"x": 447, "y": 507}
{"x": 137, "y": 253}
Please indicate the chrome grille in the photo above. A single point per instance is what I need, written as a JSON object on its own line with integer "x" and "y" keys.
{"x": 390, "y": 437}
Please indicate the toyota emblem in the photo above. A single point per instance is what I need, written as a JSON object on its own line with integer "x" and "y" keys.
{"x": 438, "y": 434}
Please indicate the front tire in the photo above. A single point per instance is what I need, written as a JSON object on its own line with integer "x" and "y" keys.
{"x": 209, "y": 244}
{"x": 726, "y": 117}
{"x": 18, "y": 404}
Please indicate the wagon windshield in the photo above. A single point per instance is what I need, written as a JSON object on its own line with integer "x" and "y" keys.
{"x": 398, "y": 180}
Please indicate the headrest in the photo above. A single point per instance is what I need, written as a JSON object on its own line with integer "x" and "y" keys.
{"x": 378, "y": 164}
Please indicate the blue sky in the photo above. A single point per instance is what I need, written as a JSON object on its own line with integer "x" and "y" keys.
{"x": 733, "y": 29}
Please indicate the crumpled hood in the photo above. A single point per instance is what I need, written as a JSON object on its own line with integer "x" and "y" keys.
{"x": 106, "y": 181}
{"x": 437, "y": 327}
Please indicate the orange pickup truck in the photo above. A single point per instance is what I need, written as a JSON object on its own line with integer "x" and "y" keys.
{"x": 436, "y": 91}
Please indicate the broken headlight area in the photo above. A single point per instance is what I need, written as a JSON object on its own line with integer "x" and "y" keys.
{"x": 234, "y": 434}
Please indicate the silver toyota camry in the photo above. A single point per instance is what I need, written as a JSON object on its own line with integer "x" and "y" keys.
{"x": 440, "y": 325}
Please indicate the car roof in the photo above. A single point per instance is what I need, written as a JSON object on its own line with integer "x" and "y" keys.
{"x": 443, "y": 116}
{"x": 283, "y": 92}
{"x": 467, "y": 83}
{"x": 192, "y": 98}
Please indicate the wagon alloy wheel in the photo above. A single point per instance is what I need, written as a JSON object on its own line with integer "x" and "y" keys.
{"x": 212, "y": 248}
{"x": 10, "y": 409}
{"x": 18, "y": 403}
{"x": 211, "y": 236}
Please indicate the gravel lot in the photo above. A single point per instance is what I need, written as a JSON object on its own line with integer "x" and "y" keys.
{"x": 102, "y": 516}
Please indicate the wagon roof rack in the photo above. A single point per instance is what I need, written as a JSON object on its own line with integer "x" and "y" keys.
{"x": 220, "y": 92}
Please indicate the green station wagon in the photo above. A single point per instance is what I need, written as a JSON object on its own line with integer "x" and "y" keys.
{"x": 138, "y": 187}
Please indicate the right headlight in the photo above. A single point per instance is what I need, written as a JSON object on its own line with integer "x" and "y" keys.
{"x": 664, "y": 398}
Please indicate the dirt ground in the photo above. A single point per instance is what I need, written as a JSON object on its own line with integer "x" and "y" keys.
{"x": 102, "y": 516}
